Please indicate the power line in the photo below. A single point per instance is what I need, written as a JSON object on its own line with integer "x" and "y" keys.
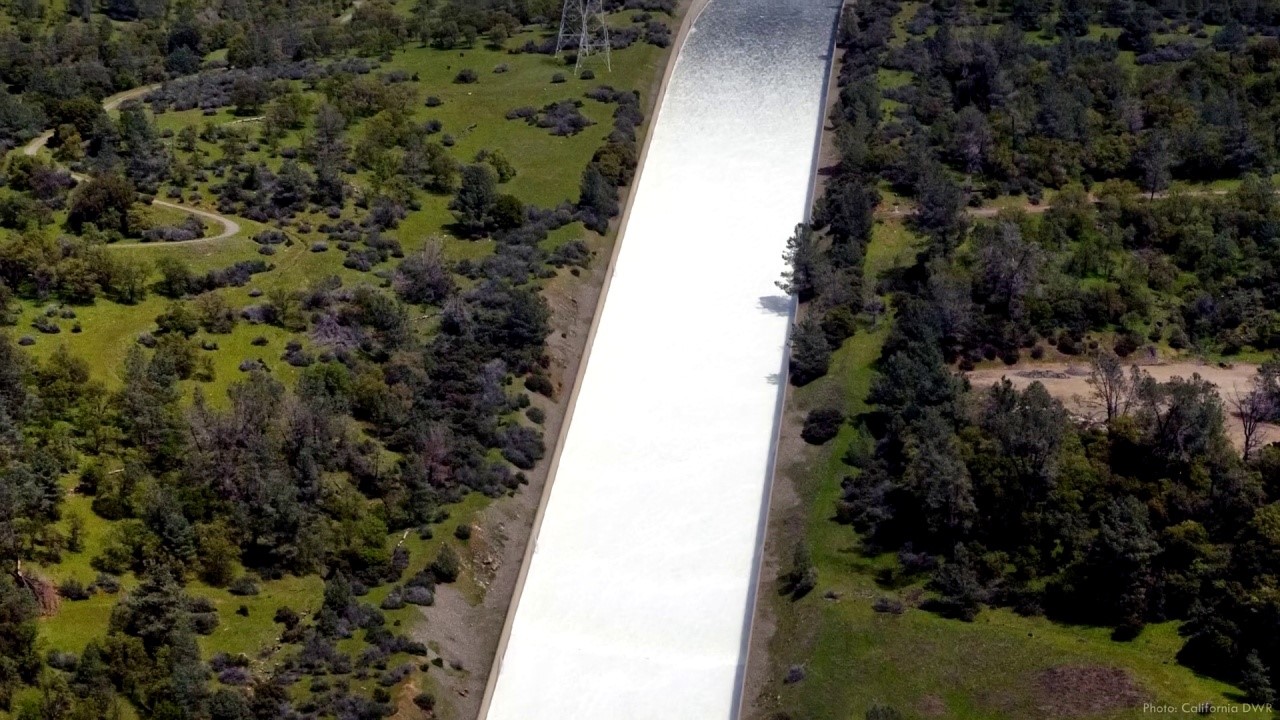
{"x": 583, "y": 25}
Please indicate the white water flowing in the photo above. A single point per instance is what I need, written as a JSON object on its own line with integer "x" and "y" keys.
{"x": 638, "y": 597}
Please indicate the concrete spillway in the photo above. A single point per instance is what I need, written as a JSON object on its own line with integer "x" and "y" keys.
{"x": 637, "y": 599}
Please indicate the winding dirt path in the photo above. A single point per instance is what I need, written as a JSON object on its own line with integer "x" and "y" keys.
{"x": 350, "y": 13}
{"x": 229, "y": 226}
{"x": 108, "y": 104}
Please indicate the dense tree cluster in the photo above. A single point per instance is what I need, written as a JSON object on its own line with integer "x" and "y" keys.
{"x": 1001, "y": 499}
{"x": 999, "y": 496}
{"x": 1188, "y": 271}
{"x": 1105, "y": 95}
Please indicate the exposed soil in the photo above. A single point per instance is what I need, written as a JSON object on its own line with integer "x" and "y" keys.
{"x": 785, "y": 527}
{"x": 1072, "y": 691}
{"x": 1069, "y": 382}
{"x": 468, "y": 633}
{"x": 931, "y": 706}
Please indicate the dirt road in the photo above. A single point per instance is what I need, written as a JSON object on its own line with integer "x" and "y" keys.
{"x": 229, "y": 227}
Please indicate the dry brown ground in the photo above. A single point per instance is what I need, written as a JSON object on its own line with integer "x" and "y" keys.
{"x": 1072, "y": 691}
{"x": 1069, "y": 382}
{"x": 468, "y": 634}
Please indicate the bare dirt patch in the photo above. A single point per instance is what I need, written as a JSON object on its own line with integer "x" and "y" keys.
{"x": 785, "y": 528}
{"x": 1069, "y": 382}
{"x": 931, "y": 706}
{"x": 1072, "y": 691}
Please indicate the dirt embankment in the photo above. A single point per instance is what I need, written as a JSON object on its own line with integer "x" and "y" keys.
{"x": 1069, "y": 382}
{"x": 469, "y": 635}
{"x": 787, "y": 509}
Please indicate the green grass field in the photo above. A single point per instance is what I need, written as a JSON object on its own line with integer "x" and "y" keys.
{"x": 548, "y": 170}
{"x": 917, "y": 662}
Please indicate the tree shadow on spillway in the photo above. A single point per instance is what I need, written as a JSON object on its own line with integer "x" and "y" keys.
{"x": 781, "y": 306}
{"x": 775, "y": 304}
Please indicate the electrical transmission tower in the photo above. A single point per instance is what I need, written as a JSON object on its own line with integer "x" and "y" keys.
{"x": 583, "y": 22}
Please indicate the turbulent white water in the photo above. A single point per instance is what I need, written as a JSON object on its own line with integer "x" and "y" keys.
{"x": 638, "y": 597}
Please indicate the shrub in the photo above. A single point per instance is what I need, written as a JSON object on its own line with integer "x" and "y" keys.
{"x": 574, "y": 253}
{"x": 522, "y": 446}
{"x": 107, "y": 583}
{"x": 540, "y": 384}
{"x": 433, "y": 101}
{"x": 62, "y": 660}
{"x": 557, "y": 78}
{"x": 462, "y": 532}
{"x": 446, "y": 566}
{"x": 810, "y": 353}
{"x": 270, "y": 237}
{"x": 46, "y": 326}
{"x": 243, "y": 586}
{"x": 838, "y": 324}
{"x": 235, "y": 676}
{"x": 821, "y": 425}
{"x": 1126, "y": 344}
{"x": 73, "y": 589}
{"x": 204, "y": 623}
{"x": 892, "y": 606}
{"x": 466, "y": 76}
{"x": 657, "y": 33}
{"x": 395, "y": 675}
{"x": 419, "y": 595}
{"x": 393, "y": 601}
{"x": 802, "y": 577}
{"x": 296, "y": 356}
{"x": 535, "y": 415}
{"x": 287, "y": 616}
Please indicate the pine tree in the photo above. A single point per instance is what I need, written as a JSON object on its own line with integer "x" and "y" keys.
{"x": 1256, "y": 680}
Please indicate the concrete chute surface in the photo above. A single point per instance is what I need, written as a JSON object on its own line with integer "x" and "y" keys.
{"x": 637, "y": 598}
